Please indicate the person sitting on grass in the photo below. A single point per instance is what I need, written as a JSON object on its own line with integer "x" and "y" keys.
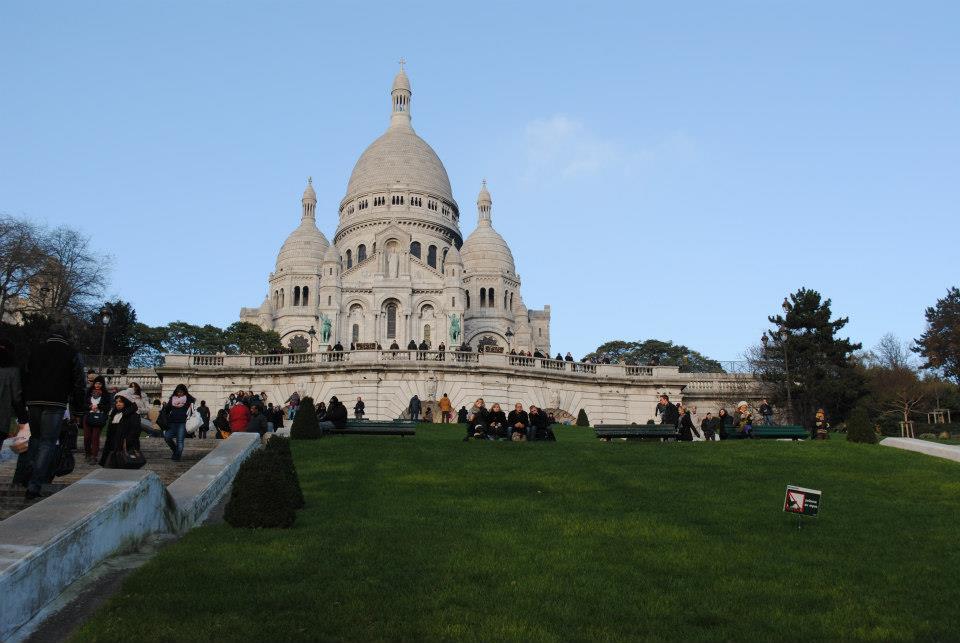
{"x": 518, "y": 421}
{"x": 536, "y": 430}
{"x": 428, "y": 415}
{"x": 497, "y": 423}
{"x": 477, "y": 421}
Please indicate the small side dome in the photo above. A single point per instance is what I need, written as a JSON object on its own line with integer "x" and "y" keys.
{"x": 485, "y": 251}
{"x": 400, "y": 81}
{"x": 309, "y": 194}
{"x": 303, "y": 250}
{"x": 453, "y": 257}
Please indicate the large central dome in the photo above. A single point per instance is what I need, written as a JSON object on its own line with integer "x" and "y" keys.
{"x": 399, "y": 158}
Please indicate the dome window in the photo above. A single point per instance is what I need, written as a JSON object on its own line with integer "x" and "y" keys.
{"x": 296, "y": 296}
{"x": 491, "y": 302}
{"x": 468, "y": 300}
{"x": 483, "y": 298}
{"x": 432, "y": 256}
{"x": 305, "y": 297}
{"x": 361, "y": 253}
{"x": 415, "y": 249}
{"x": 349, "y": 259}
{"x": 392, "y": 321}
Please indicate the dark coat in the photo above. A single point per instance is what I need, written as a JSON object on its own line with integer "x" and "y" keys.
{"x": 669, "y": 415}
{"x": 11, "y": 397}
{"x": 518, "y": 418}
{"x": 179, "y": 415}
{"x": 414, "y": 406}
{"x": 337, "y": 413}
{"x": 497, "y": 417}
{"x": 359, "y": 407}
{"x": 257, "y": 424}
{"x": 462, "y": 415}
{"x": 54, "y": 376}
{"x": 128, "y": 430}
{"x": 481, "y": 417}
{"x": 685, "y": 426}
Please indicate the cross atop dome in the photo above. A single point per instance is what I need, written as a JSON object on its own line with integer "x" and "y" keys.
{"x": 400, "y": 98}
{"x": 403, "y": 61}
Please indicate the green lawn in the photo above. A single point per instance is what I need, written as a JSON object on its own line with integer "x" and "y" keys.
{"x": 430, "y": 538}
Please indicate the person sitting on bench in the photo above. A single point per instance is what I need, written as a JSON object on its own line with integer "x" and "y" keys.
{"x": 518, "y": 421}
{"x": 336, "y": 415}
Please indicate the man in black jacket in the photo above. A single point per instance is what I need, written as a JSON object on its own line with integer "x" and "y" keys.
{"x": 53, "y": 382}
{"x": 518, "y": 420}
{"x": 669, "y": 415}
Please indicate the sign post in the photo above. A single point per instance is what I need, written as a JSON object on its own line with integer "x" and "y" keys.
{"x": 802, "y": 501}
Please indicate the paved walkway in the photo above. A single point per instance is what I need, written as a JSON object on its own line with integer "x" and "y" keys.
{"x": 155, "y": 450}
{"x": 948, "y": 451}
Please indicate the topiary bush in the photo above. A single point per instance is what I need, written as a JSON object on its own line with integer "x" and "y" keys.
{"x": 582, "y": 418}
{"x": 860, "y": 428}
{"x": 261, "y": 493}
{"x": 305, "y": 425}
{"x": 281, "y": 446}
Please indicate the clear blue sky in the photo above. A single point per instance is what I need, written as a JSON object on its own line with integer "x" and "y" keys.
{"x": 665, "y": 170}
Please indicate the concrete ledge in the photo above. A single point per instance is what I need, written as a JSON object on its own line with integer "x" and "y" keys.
{"x": 197, "y": 491}
{"x": 947, "y": 451}
{"x": 47, "y": 546}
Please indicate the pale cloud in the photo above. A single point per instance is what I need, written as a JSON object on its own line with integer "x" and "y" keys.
{"x": 560, "y": 147}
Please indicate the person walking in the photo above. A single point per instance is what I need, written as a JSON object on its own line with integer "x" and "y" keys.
{"x": 53, "y": 382}
{"x": 708, "y": 427}
{"x": 98, "y": 403}
{"x": 766, "y": 411}
{"x": 178, "y": 407}
{"x": 669, "y": 415}
{"x": 293, "y": 402}
{"x": 446, "y": 408}
{"x": 685, "y": 424}
{"x": 821, "y": 428}
{"x": 204, "y": 412}
{"x": 11, "y": 389}
{"x": 358, "y": 408}
{"x": 462, "y": 415}
{"x": 414, "y": 408}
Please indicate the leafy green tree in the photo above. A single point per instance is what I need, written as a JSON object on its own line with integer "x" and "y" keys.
{"x": 940, "y": 344}
{"x": 246, "y": 338}
{"x": 655, "y": 351}
{"x": 823, "y": 371}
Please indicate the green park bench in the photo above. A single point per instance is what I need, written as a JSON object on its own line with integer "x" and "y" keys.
{"x": 639, "y": 432}
{"x": 376, "y": 427}
{"x": 785, "y": 432}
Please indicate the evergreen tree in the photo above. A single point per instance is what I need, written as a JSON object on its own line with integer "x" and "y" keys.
{"x": 822, "y": 372}
{"x": 860, "y": 428}
{"x": 582, "y": 418}
{"x": 940, "y": 344}
{"x": 305, "y": 424}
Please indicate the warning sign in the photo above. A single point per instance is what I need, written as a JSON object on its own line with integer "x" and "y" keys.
{"x": 800, "y": 500}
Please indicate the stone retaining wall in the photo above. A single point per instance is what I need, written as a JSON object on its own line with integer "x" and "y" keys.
{"x": 46, "y": 547}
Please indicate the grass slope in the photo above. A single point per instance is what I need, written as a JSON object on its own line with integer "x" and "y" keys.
{"x": 431, "y": 538}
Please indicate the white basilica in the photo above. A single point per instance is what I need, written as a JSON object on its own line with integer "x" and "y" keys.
{"x": 398, "y": 268}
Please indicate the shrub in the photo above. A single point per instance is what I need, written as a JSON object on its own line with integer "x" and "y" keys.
{"x": 582, "y": 418}
{"x": 261, "y": 493}
{"x": 281, "y": 446}
{"x": 928, "y": 436}
{"x": 944, "y": 435}
{"x": 305, "y": 425}
{"x": 860, "y": 428}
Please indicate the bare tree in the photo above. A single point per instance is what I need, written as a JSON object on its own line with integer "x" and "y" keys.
{"x": 22, "y": 257}
{"x": 890, "y": 352}
{"x": 73, "y": 273}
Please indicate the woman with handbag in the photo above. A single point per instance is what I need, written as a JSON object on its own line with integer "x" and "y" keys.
{"x": 179, "y": 407}
{"x": 121, "y": 447}
{"x": 97, "y": 404}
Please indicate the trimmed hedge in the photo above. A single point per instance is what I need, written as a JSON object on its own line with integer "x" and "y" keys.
{"x": 860, "y": 428}
{"x": 261, "y": 493}
{"x": 281, "y": 446}
{"x": 582, "y": 418}
{"x": 305, "y": 425}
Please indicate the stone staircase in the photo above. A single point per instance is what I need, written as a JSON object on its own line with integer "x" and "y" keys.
{"x": 12, "y": 498}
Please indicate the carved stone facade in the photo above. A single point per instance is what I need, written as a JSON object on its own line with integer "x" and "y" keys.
{"x": 398, "y": 268}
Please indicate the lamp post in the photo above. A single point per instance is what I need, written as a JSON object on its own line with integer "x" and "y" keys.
{"x": 509, "y": 336}
{"x": 313, "y": 333}
{"x": 105, "y": 320}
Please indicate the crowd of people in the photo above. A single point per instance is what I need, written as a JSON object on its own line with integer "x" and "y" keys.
{"x": 724, "y": 425}
{"x": 518, "y": 425}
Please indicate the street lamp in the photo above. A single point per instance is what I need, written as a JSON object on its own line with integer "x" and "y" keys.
{"x": 313, "y": 333}
{"x": 105, "y": 320}
{"x": 509, "y": 335}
